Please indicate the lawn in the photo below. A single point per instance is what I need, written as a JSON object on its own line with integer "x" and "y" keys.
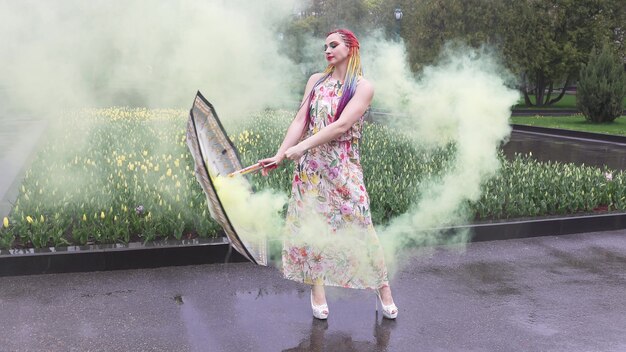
{"x": 567, "y": 102}
{"x": 573, "y": 122}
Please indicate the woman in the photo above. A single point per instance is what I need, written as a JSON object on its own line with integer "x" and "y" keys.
{"x": 328, "y": 194}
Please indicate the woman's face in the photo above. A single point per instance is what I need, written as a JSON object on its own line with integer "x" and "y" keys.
{"x": 335, "y": 49}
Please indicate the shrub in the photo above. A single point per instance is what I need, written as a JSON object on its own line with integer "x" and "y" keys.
{"x": 601, "y": 87}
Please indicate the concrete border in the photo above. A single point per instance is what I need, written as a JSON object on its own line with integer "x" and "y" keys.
{"x": 571, "y": 134}
{"x": 211, "y": 251}
{"x": 116, "y": 257}
{"x": 565, "y": 225}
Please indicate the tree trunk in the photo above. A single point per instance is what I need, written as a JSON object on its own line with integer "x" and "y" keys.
{"x": 567, "y": 80}
{"x": 527, "y": 98}
{"x": 524, "y": 89}
{"x": 550, "y": 88}
{"x": 540, "y": 89}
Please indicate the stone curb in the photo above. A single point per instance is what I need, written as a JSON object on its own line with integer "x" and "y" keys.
{"x": 548, "y": 112}
{"x": 196, "y": 252}
{"x": 571, "y": 134}
{"x": 116, "y": 257}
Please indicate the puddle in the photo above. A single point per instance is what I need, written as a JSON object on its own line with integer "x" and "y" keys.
{"x": 566, "y": 150}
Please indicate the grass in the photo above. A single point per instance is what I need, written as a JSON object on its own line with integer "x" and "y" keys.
{"x": 567, "y": 102}
{"x": 573, "y": 122}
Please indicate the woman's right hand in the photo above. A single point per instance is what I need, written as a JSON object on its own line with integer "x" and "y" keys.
{"x": 274, "y": 161}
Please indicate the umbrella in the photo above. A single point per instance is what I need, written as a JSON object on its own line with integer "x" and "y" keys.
{"x": 215, "y": 155}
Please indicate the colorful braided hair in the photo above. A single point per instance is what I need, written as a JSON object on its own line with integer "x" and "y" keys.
{"x": 353, "y": 72}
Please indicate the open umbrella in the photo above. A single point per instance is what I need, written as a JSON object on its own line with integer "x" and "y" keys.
{"x": 215, "y": 155}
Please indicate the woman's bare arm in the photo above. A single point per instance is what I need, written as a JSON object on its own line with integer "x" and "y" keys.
{"x": 296, "y": 128}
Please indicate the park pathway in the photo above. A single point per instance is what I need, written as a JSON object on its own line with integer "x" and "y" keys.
{"x": 565, "y": 293}
{"x": 19, "y": 136}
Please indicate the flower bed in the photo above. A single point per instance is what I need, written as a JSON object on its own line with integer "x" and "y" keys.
{"x": 119, "y": 175}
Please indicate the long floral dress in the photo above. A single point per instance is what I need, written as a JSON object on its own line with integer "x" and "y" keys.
{"x": 330, "y": 239}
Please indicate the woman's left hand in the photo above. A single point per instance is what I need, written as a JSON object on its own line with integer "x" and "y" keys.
{"x": 295, "y": 153}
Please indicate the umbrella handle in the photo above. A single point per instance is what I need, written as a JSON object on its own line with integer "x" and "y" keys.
{"x": 252, "y": 168}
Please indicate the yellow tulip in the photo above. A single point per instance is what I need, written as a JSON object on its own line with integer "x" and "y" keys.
{"x": 169, "y": 172}
{"x": 29, "y": 219}
{"x": 84, "y": 217}
{"x": 5, "y": 222}
{"x": 41, "y": 218}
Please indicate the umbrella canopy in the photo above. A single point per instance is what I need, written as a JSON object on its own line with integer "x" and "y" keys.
{"x": 215, "y": 155}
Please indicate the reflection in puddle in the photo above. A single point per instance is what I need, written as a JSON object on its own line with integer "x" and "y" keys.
{"x": 353, "y": 325}
{"x": 199, "y": 334}
{"x": 320, "y": 339}
{"x": 567, "y": 150}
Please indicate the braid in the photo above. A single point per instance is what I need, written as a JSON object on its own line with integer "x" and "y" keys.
{"x": 353, "y": 72}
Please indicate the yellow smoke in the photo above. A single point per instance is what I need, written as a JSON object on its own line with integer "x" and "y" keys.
{"x": 255, "y": 216}
{"x": 69, "y": 53}
{"x": 74, "y": 53}
{"x": 465, "y": 100}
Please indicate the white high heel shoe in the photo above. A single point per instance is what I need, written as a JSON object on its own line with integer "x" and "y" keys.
{"x": 389, "y": 311}
{"x": 319, "y": 311}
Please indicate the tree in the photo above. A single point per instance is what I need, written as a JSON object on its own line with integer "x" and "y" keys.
{"x": 546, "y": 42}
{"x": 321, "y": 16}
{"x": 602, "y": 86}
{"x": 428, "y": 25}
{"x": 326, "y": 15}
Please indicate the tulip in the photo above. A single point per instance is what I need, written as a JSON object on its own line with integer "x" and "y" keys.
{"x": 5, "y": 222}
{"x": 29, "y": 219}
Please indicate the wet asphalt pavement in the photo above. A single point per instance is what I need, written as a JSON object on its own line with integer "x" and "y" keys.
{"x": 564, "y": 293}
{"x": 19, "y": 137}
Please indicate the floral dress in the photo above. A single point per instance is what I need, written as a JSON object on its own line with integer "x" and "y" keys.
{"x": 330, "y": 239}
